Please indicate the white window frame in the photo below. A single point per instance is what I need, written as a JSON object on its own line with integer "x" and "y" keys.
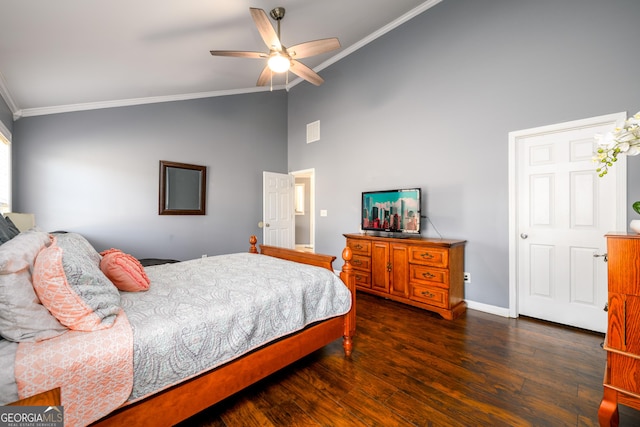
{"x": 5, "y": 172}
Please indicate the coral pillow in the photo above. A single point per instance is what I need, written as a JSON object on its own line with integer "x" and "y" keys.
{"x": 124, "y": 271}
{"x": 69, "y": 283}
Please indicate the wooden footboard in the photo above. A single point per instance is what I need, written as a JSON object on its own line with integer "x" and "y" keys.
{"x": 192, "y": 396}
{"x": 325, "y": 261}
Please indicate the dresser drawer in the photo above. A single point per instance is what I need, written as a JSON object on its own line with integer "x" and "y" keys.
{"x": 624, "y": 264}
{"x": 624, "y": 372}
{"x": 623, "y": 322}
{"x": 363, "y": 279}
{"x": 362, "y": 247}
{"x": 360, "y": 262}
{"x": 429, "y": 276}
{"x": 430, "y": 295}
{"x": 434, "y": 257}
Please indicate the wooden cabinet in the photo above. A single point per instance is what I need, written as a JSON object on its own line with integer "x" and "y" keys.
{"x": 622, "y": 342}
{"x": 425, "y": 273}
{"x": 389, "y": 272}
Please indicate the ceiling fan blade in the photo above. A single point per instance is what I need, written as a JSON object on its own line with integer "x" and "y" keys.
{"x": 315, "y": 47}
{"x": 265, "y": 29}
{"x": 239, "y": 54}
{"x": 265, "y": 77}
{"x": 301, "y": 70}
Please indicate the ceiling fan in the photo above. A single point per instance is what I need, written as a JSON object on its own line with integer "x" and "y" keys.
{"x": 280, "y": 58}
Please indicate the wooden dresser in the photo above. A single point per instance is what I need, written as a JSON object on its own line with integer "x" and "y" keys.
{"x": 622, "y": 342}
{"x": 425, "y": 273}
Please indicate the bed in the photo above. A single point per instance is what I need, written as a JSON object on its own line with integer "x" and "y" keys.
{"x": 245, "y": 358}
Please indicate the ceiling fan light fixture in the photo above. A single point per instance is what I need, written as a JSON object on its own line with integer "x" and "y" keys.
{"x": 279, "y": 58}
{"x": 279, "y": 63}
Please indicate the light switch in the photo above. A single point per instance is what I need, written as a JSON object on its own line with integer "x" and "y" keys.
{"x": 323, "y": 212}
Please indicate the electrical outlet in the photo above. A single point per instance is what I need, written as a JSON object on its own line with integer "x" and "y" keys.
{"x": 467, "y": 277}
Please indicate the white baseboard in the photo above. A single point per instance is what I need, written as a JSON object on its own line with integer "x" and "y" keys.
{"x": 491, "y": 309}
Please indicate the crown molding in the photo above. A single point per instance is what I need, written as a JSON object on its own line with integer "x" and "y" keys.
{"x": 30, "y": 112}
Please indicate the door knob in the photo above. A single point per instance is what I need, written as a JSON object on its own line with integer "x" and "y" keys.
{"x": 523, "y": 235}
{"x": 605, "y": 256}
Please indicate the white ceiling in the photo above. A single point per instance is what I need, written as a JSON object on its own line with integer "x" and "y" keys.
{"x": 68, "y": 55}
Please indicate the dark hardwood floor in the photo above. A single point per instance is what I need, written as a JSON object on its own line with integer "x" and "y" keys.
{"x": 412, "y": 368}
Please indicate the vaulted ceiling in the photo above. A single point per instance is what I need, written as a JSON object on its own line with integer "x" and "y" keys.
{"x": 68, "y": 55}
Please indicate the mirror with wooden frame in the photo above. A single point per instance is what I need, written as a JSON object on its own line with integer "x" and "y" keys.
{"x": 183, "y": 189}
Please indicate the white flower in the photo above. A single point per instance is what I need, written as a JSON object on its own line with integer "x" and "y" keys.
{"x": 633, "y": 151}
{"x": 605, "y": 140}
{"x": 625, "y": 136}
{"x": 634, "y": 120}
{"x": 624, "y": 140}
{"x": 624, "y": 147}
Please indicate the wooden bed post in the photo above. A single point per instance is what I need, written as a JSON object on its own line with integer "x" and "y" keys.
{"x": 253, "y": 240}
{"x": 348, "y": 277}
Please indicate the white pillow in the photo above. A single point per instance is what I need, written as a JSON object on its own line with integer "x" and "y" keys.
{"x": 22, "y": 316}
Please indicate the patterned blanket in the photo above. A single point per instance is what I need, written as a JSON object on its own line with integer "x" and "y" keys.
{"x": 94, "y": 370}
{"x": 202, "y": 313}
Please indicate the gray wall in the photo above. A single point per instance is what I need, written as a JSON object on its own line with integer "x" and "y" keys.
{"x": 431, "y": 104}
{"x": 6, "y": 117}
{"x": 97, "y": 172}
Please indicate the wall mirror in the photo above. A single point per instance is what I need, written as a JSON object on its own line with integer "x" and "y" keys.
{"x": 183, "y": 189}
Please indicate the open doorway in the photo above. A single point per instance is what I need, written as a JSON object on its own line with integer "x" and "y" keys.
{"x": 305, "y": 209}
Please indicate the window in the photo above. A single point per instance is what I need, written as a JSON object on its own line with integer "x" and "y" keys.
{"x": 5, "y": 172}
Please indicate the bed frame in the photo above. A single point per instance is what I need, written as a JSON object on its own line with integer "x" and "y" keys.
{"x": 181, "y": 401}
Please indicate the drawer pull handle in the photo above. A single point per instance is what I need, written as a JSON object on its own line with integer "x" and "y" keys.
{"x": 389, "y": 267}
{"x": 427, "y": 294}
{"x": 426, "y": 255}
{"x": 358, "y": 277}
{"x": 358, "y": 246}
{"x": 428, "y": 275}
{"x": 357, "y": 262}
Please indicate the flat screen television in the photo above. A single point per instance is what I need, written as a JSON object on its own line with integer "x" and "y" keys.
{"x": 395, "y": 211}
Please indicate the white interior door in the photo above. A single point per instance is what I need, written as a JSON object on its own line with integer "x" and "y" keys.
{"x": 278, "y": 210}
{"x": 563, "y": 209}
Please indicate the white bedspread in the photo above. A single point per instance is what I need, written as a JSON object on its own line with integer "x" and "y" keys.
{"x": 202, "y": 313}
